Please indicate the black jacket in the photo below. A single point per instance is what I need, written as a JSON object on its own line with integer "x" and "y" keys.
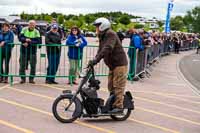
{"x": 59, "y": 31}
{"x": 52, "y": 38}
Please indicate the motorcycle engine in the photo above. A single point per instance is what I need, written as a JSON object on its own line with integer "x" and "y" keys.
{"x": 92, "y": 101}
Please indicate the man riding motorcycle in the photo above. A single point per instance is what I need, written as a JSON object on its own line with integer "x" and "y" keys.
{"x": 111, "y": 50}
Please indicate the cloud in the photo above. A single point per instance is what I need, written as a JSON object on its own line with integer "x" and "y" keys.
{"x": 147, "y": 8}
{"x": 14, "y": 2}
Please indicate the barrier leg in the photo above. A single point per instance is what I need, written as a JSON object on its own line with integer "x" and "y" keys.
{"x": 11, "y": 80}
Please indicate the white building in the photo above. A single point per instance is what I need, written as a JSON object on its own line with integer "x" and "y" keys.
{"x": 152, "y": 22}
{"x": 144, "y": 20}
{"x": 139, "y": 20}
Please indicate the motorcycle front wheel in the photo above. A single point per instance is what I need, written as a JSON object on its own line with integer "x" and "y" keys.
{"x": 65, "y": 113}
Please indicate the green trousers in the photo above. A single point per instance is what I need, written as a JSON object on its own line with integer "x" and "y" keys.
{"x": 73, "y": 70}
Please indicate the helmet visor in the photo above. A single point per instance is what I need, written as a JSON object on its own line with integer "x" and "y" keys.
{"x": 96, "y": 24}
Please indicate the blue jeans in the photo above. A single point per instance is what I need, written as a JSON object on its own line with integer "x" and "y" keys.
{"x": 53, "y": 62}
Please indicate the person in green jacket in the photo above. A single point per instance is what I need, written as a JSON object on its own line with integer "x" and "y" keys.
{"x": 29, "y": 37}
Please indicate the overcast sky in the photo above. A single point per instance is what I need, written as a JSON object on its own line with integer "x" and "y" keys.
{"x": 145, "y": 8}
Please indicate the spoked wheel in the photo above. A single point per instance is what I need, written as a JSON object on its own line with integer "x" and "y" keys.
{"x": 65, "y": 113}
{"x": 123, "y": 117}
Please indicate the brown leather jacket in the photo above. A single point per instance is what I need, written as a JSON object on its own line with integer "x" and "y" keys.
{"x": 111, "y": 50}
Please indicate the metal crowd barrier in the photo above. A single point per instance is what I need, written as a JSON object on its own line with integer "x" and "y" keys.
{"x": 139, "y": 61}
{"x": 41, "y": 61}
{"x": 151, "y": 54}
{"x": 184, "y": 45}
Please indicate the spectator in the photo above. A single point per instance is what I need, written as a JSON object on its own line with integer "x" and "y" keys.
{"x": 121, "y": 35}
{"x": 131, "y": 55}
{"x": 19, "y": 29}
{"x": 53, "y": 53}
{"x": 198, "y": 47}
{"x": 176, "y": 45}
{"x": 6, "y": 38}
{"x": 76, "y": 43}
{"x": 59, "y": 29}
{"x": 146, "y": 39}
{"x": 141, "y": 54}
{"x": 136, "y": 42}
{"x": 29, "y": 37}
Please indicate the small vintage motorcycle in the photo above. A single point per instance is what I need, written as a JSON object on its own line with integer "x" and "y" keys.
{"x": 68, "y": 106}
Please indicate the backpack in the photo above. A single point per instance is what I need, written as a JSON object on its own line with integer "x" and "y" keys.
{"x": 138, "y": 46}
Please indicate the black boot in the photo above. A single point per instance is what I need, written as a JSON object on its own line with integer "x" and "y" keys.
{"x": 22, "y": 81}
{"x": 116, "y": 111}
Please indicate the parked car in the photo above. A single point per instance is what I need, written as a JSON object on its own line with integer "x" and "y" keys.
{"x": 90, "y": 34}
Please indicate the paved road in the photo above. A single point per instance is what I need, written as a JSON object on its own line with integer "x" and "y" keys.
{"x": 190, "y": 67}
{"x": 164, "y": 104}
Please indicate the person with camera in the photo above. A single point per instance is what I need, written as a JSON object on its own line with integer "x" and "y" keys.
{"x": 76, "y": 42}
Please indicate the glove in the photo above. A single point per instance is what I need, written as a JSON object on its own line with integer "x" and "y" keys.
{"x": 92, "y": 62}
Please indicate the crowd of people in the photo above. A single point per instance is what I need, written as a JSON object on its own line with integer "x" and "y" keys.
{"x": 173, "y": 42}
{"x": 30, "y": 36}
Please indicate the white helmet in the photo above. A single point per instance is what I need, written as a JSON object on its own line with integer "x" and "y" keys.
{"x": 103, "y": 23}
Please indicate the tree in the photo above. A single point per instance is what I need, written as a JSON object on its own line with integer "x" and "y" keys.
{"x": 192, "y": 19}
{"x": 48, "y": 18}
{"x": 54, "y": 14}
{"x": 78, "y": 23}
{"x": 130, "y": 26}
{"x": 23, "y": 15}
{"x": 68, "y": 24}
{"x": 31, "y": 17}
{"x": 60, "y": 19}
{"x": 160, "y": 23}
{"x": 119, "y": 20}
{"x": 124, "y": 20}
{"x": 138, "y": 26}
{"x": 177, "y": 23}
{"x": 69, "y": 17}
{"x": 75, "y": 17}
{"x": 89, "y": 19}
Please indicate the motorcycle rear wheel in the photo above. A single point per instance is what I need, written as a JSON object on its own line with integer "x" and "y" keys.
{"x": 126, "y": 114}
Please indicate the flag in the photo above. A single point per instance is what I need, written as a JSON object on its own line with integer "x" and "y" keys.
{"x": 169, "y": 10}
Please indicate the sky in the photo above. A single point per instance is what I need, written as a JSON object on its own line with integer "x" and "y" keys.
{"x": 144, "y": 8}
